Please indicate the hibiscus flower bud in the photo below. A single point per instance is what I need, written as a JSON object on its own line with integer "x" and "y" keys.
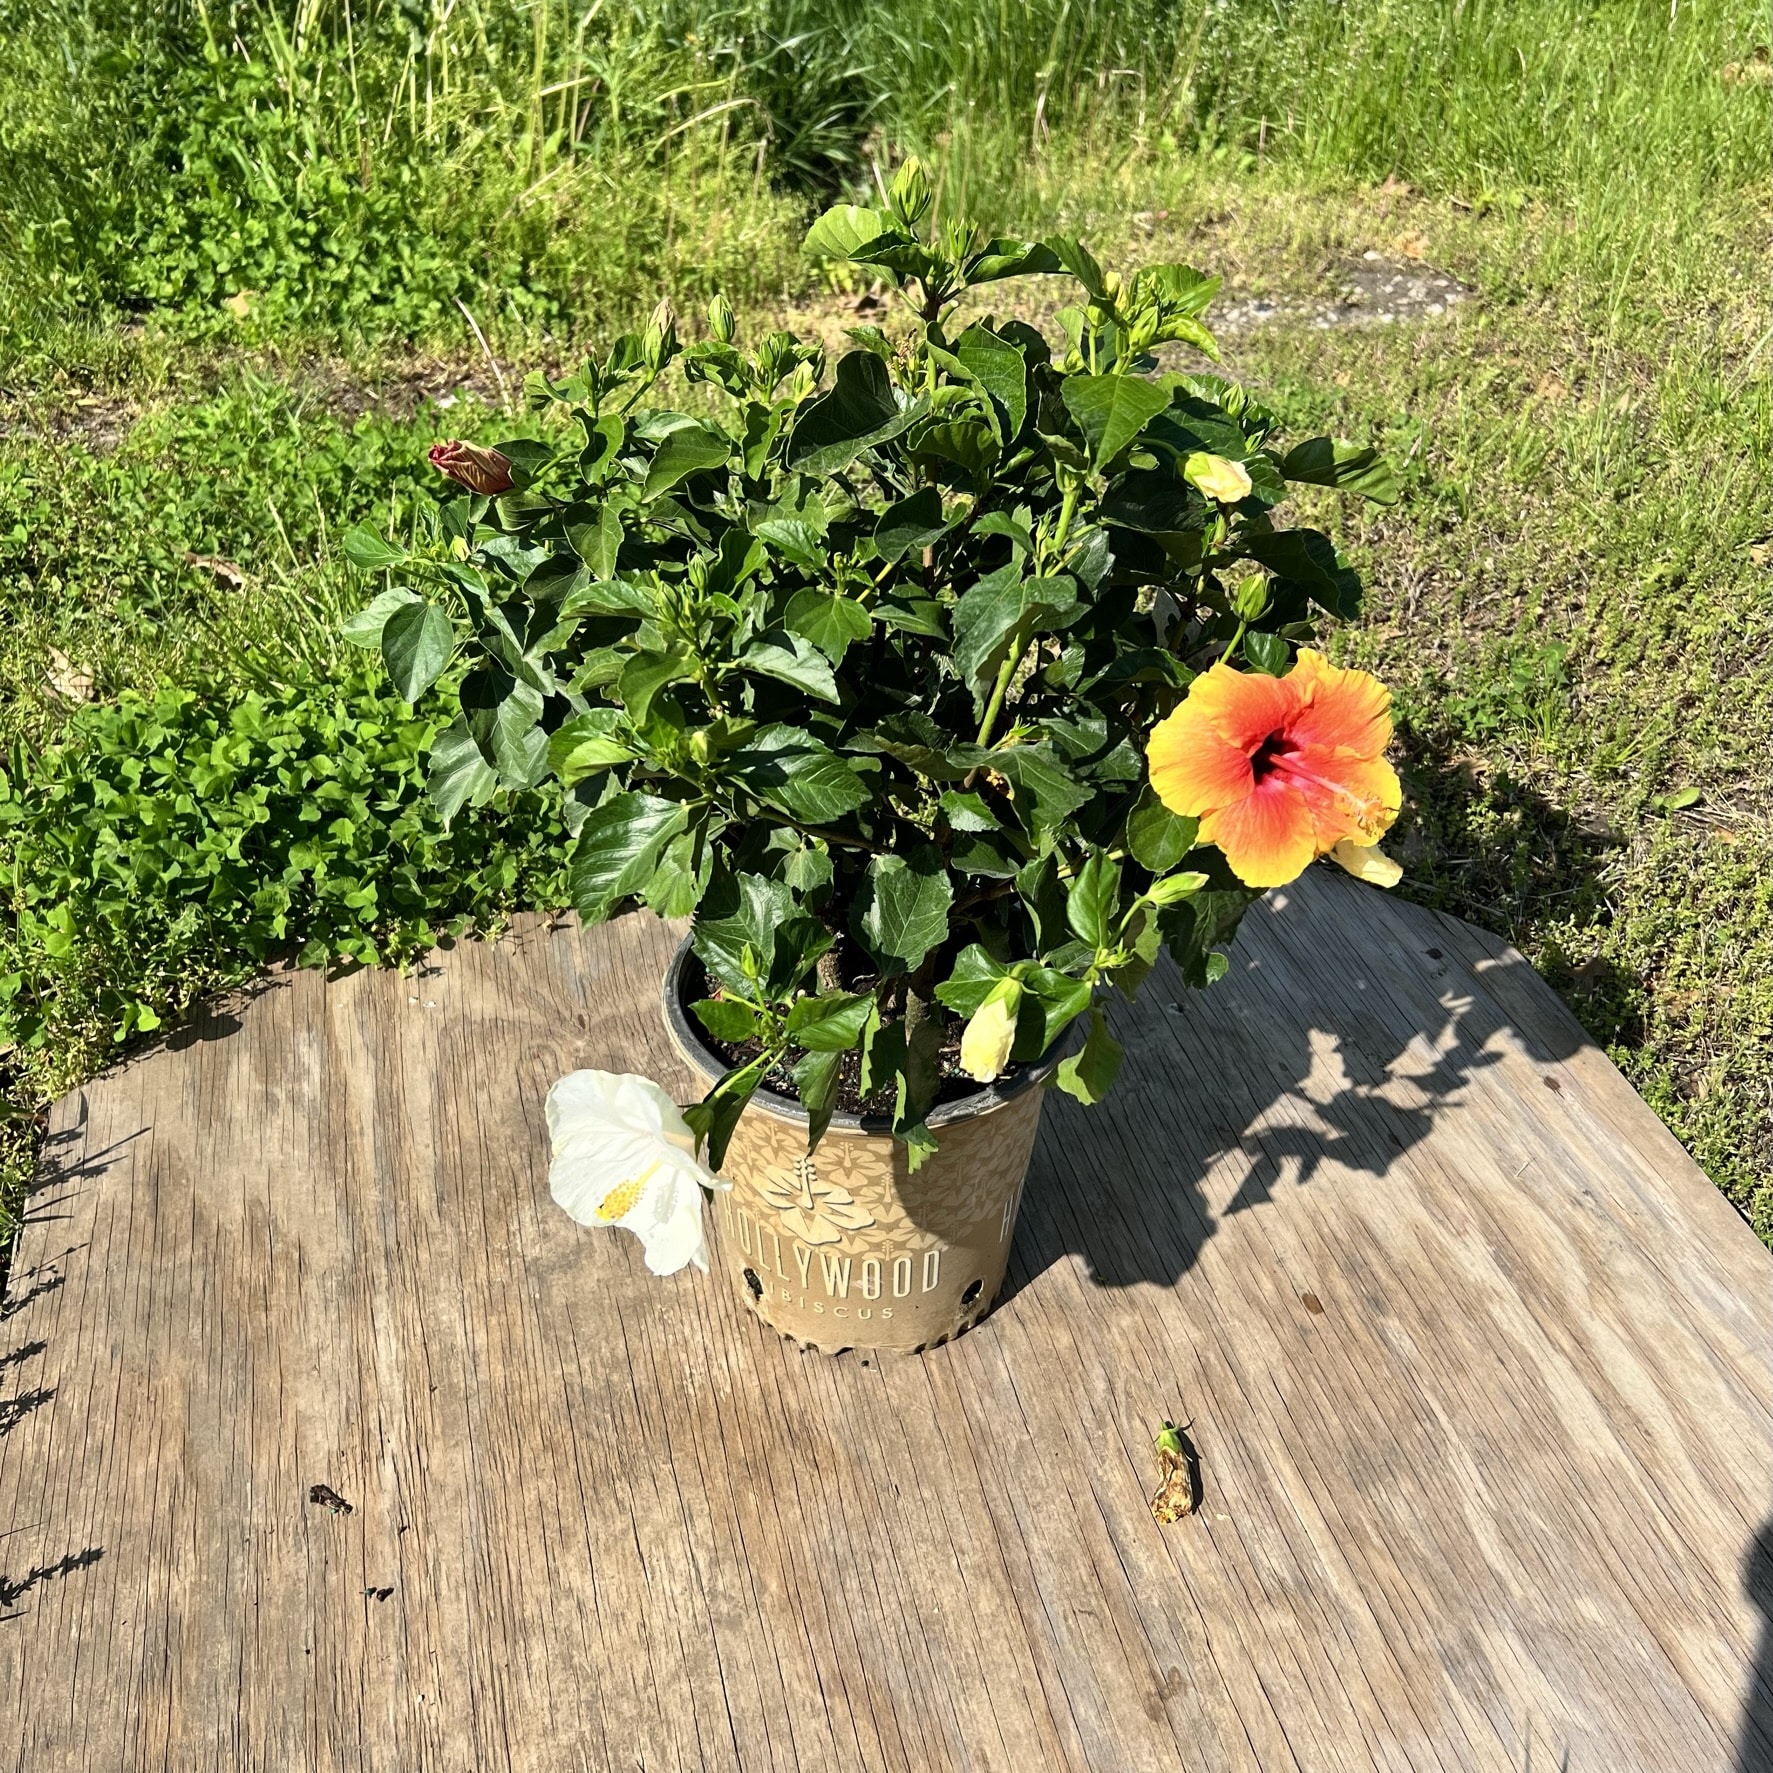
{"x": 1366, "y": 861}
{"x": 722, "y": 321}
{"x": 467, "y": 464}
{"x": 985, "y": 1046}
{"x": 1217, "y": 478}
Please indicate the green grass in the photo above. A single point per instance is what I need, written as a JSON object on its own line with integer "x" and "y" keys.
{"x": 244, "y": 233}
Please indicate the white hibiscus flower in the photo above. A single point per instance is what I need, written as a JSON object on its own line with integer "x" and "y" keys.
{"x": 623, "y": 1155}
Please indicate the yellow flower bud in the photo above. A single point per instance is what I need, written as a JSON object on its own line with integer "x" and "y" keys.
{"x": 1217, "y": 478}
{"x": 1367, "y": 862}
{"x": 985, "y": 1046}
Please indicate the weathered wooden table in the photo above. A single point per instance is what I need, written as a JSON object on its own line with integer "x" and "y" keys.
{"x": 1479, "y": 1365}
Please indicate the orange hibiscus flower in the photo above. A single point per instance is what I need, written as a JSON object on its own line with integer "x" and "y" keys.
{"x": 1279, "y": 770}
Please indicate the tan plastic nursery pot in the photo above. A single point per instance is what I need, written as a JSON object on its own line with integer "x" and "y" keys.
{"x": 848, "y": 1248}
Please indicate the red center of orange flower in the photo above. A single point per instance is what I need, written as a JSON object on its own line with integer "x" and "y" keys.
{"x": 1271, "y": 756}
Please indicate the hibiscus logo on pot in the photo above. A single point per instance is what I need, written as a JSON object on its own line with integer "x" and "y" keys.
{"x": 815, "y": 1211}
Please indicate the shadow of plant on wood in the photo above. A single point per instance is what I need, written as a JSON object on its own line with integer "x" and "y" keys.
{"x": 13, "y": 1589}
{"x": 1755, "y": 1753}
{"x": 1287, "y": 1064}
{"x": 1488, "y": 847}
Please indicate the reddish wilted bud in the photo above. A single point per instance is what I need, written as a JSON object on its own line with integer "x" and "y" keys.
{"x": 467, "y": 464}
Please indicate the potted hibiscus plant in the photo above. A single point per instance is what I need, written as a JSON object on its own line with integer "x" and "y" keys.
{"x": 943, "y": 694}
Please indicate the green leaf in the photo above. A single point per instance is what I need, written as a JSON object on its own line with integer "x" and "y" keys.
{"x": 1000, "y": 614}
{"x": 1044, "y": 792}
{"x": 860, "y": 411}
{"x": 590, "y": 741}
{"x": 737, "y": 924}
{"x": 373, "y": 553}
{"x": 1001, "y": 371}
{"x": 968, "y": 812}
{"x": 597, "y": 541}
{"x": 883, "y": 1052}
{"x": 975, "y": 976}
{"x": 679, "y": 877}
{"x": 910, "y": 526}
{"x": 726, "y": 1018}
{"x": 969, "y": 444}
{"x": 713, "y": 1118}
{"x": 800, "y": 774}
{"x": 791, "y": 660}
{"x": 1089, "y": 1075}
{"x": 841, "y": 231}
{"x": 901, "y": 910}
{"x": 1051, "y": 1001}
{"x": 458, "y": 775}
{"x": 1269, "y": 653}
{"x": 1112, "y": 410}
{"x": 365, "y": 628}
{"x": 920, "y": 1082}
{"x": 831, "y": 1023}
{"x": 828, "y": 621}
{"x": 684, "y": 452}
{"x": 502, "y": 715}
{"x": 619, "y": 846}
{"x": 1093, "y": 900}
{"x": 1079, "y": 261}
{"x": 1325, "y": 461}
{"x": 417, "y": 641}
{"x": 816, "y": 1077}
{"x": 1012, "y": 258}
{"x": 1158, "y": 838}
{"x": 1308, "y": 557}
{"x": 1155, "y": 503}
{"x": 645, "y": 674}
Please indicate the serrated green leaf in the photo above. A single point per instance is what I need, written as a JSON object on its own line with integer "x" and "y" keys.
{"x": 800, "y": 774}
{"x": 645, "y": 674}
{"x": 831, "y": 1023}
{"x": 1043, "y": 792}
{"x": 830, "y": 622}
{"x": 726, "y": 1019}
{"x": 594, "y": 740}
{"x": 816, "y": 1077}
{"x": 1001, "y": 371}
{"x": 860, "y": 411}
{"x": 842, "y": 230}
{"x": 458, "y": 775}
{"x": 1269, "y": 653}
{"x": 901, "y": 911}
{"x": 597, "y": 541}
{"x": 790, "y": 659}
{"x": 618, "y": 847}
{"x": 1307, "y": 557}
{"x": 975, "y": 976}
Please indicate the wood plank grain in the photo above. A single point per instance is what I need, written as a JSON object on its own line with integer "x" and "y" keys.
{"x": 1481, "y": 1371}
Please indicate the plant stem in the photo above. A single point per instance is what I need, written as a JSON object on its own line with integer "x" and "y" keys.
{"x": 1007, "y": 670}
